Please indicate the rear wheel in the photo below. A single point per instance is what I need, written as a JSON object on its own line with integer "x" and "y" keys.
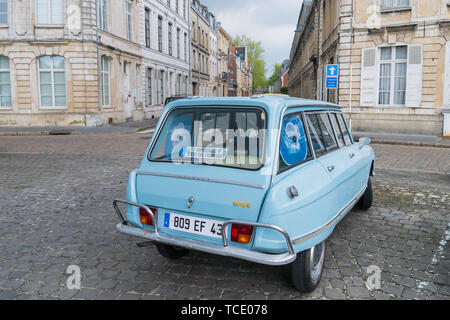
{"x": 366, "y": 200}
{"x": 171, "y": 252}
{"x": 306, "y": 270}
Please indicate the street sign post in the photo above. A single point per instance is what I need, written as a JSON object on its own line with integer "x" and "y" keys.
{"x": 332, "y": 76}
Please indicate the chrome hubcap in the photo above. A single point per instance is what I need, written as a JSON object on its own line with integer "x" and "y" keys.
{"x": 316, "y": 260}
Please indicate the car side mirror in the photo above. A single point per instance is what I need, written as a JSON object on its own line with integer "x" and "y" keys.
{"x": 364, "y": 142}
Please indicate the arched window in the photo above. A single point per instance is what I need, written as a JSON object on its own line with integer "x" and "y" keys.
{"x": 52, "y": 81}
{"x": 5, "y": 83}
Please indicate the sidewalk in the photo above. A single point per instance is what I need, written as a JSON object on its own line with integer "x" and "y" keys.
{"x": 404, "y": 139}
{"x": 124, "y": 127}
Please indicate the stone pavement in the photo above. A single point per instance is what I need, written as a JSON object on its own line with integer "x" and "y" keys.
{"x": 56, "y": 210}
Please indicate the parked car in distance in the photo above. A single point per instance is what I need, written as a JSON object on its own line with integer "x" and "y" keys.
{"x": 263, "y": 178}
{"x": 174, "y": 98}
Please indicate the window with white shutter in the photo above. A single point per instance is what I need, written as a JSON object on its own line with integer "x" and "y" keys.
{"x": 414, "y": 76}
{"x": 369, "y": 77}
{"x": 447, "y": 76}
{"x": 49, "y": 12}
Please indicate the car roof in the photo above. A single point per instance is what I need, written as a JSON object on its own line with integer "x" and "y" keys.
{"x": 272, "y": 103}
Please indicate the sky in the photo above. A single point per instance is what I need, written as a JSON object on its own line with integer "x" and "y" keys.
{"x": 272, "y": 22}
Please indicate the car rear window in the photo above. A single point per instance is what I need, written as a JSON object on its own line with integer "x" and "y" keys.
{"x": 231, "y": 137}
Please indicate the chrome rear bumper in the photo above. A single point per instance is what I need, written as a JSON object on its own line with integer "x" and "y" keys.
{"x": 223, "y": 250}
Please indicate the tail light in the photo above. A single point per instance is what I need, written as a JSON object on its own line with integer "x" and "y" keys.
{"x": 241, "y": 233}
{"x": 146, "y": 218}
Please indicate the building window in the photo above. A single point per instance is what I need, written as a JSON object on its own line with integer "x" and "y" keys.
{"x": 138, "y": 83}
{"x": 168, "y": 3}
{"x": 149, "y": 87}
{"x": 3, "y": 11}
{"x": 178, "y": 43}
{"x": 147, "y": 28}
{"x": 394, "y": 4}
{"x": 49, "y": 11}
{"x": 393, "y": 68}
{"x": 52, "y": 81}
{"x": 105, "y": 81}
{"x": 5, "y": 83}
{"x": 177, "y": 6}
{"x": 103, "y": 14}
{"x": 129, "y": 19}
{"x": 170, "y": 38}
{"x": 185, "y": 47}
{"x": 184, "y": 9}
{"x": 161, "y": 87}
{"x": 160, "y": 34}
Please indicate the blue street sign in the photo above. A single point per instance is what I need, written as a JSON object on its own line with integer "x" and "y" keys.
{"x": 332, "y": 83}
{"x": 332, "y": 70}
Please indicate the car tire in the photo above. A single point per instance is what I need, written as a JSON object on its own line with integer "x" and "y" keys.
{"x": 171, "y": 252}
{"x": 306, "y": 270}
{"x": 366, "y": 200}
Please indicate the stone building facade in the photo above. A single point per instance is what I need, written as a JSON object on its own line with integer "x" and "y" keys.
{"x": 392, "y": 56}
{"x": 52, "y": 63}
{"x": 224, "y": 42}
{"x": 200, "y": 44}
{"x": 165, "y": 52}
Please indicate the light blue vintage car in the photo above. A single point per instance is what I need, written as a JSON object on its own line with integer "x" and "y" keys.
{"x": 263, "y": 178}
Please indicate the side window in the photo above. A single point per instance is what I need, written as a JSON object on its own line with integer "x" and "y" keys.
{"x": 321, "y": 131}
{"x": 337, "y": 127}
{"x": 346, "y": 134}
{"x": 294, "y": 147}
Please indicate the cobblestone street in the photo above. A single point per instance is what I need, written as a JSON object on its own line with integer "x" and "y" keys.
{"x": 56, "y": 197}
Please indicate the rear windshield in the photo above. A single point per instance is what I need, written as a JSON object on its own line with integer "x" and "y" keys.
{"x": 231, "y": 137}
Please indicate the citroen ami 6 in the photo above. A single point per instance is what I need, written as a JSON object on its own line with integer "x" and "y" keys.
{"x": 263, "y": 178}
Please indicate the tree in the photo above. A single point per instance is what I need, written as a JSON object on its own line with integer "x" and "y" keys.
{"x": 256, "y": 62}
{"x": 276, "y": 69}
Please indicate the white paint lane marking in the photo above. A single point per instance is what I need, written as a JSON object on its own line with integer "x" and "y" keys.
{"x": 437, "y": 256}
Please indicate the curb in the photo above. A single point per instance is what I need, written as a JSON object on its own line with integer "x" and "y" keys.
{"x": 36, "y": 133}
{"x": 407, "y": 143}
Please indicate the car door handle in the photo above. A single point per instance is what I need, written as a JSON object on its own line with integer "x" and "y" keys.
{"x": 351, "y": 155}
{"x": 331, "y": 168}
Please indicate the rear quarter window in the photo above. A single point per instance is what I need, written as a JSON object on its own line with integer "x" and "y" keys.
{"x": 294, "y": 145}
{"x": 321, "y": 130}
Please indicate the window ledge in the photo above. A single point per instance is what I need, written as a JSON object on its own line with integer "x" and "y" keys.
{"x": 53, "y": 108}
{"x": 4, "y": 26}
{"x": 387, "y": 10}
{"x": 49, "y": 26}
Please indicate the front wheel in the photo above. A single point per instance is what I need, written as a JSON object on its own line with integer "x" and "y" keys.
{"x": 171, "y": 252}
{"x": 306, "y": 270}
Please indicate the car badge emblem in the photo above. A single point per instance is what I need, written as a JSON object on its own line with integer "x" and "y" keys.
{"x": 190, "y": 202}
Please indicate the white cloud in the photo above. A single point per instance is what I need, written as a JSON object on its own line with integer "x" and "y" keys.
{"x": 270, "y": 21}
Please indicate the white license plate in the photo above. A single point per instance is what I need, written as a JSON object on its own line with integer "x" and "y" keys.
{"x": 203, "y": 227}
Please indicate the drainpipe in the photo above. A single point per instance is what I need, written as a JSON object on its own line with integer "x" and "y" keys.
{"x": 319, "y": 94}
{"x": 190, "y": 45}
{"x": 98, "y": 62}
{"x": 198, "y": 50}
